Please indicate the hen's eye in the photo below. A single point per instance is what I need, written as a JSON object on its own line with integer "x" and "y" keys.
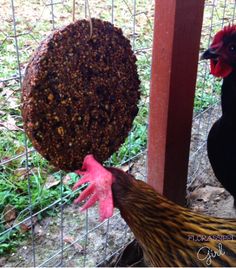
{"x": 232, "y": 48}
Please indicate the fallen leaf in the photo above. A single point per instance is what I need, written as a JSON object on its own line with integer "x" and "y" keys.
{"x": 7, "y": 92}
{"x": 20, "y": 149}
{"x": 62, "y": 17}
{"x": 70, "y": 240}
{"x": 6, "y": 158}
{"x": 53, "y": 168}
{"x": 198, "y": 208}
{"x": 13, "y": 102}
{"x": 9, "y": 224}
{"x": 26, "y": 226}
{"x": 2, "y": 85}
{"x": 22, "y": 173}
{"x": 127, "y": 167}
{"x": 19, "y": 172}
{"x": 51, "y": 181}
{"x": 66, "y": 179}
{"x": 9, "y": 124}
{"x": 3, "y": 261}
{"x": 9, "y": 213}
{"x": 206, "y": 193}
{"x": 38, "y": 230}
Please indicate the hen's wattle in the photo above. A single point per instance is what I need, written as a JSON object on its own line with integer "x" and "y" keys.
{"x": 169, "y": 234}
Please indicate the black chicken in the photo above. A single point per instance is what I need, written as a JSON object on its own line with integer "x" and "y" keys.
{"x": 221, "y": 143}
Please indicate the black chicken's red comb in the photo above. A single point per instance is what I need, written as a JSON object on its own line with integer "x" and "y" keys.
{"x": 229, "y": 29}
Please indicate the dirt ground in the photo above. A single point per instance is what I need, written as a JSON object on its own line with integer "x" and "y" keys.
{"x": 205, "y": 195}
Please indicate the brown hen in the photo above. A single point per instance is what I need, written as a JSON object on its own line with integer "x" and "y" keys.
{"x": 169, "y": 235}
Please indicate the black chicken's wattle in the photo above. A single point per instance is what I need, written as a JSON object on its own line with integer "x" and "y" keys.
{"x": 220, "y": 69}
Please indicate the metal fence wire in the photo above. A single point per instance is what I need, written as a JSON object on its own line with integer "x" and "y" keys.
{"x": 39, "y": 224}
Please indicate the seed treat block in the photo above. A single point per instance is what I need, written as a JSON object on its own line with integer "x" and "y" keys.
{"x": 80, "y": 93}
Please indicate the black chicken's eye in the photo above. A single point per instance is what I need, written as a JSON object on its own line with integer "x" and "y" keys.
{"x": 232, "y": 48}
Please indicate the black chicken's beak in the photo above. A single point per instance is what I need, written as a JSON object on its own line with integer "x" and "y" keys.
{"x": 210, "y": 53}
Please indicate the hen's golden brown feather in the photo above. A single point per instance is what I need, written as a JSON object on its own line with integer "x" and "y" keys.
{"x": 168, "y": 233}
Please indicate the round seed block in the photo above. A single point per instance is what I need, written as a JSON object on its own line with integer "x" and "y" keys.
{"x": 80, "y": 93}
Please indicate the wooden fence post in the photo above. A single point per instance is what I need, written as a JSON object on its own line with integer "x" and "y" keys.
{"x": 177, "y": 32}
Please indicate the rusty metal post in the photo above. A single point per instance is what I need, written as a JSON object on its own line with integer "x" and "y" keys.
{"x": 177, "y": 33}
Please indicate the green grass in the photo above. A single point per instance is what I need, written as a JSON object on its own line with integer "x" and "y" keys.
{"x": 14, "y": 191}
{"x": 210, "y": 95}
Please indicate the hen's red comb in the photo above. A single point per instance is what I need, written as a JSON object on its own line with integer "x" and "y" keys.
{"x": 99, "y": 189}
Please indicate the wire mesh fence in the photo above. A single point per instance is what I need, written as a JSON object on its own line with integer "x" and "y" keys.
{"x": 39, "y": 225}
{"x": 38, "y": 220}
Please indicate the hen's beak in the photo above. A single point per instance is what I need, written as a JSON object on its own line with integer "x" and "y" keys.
{"x": 211, "y": 53}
